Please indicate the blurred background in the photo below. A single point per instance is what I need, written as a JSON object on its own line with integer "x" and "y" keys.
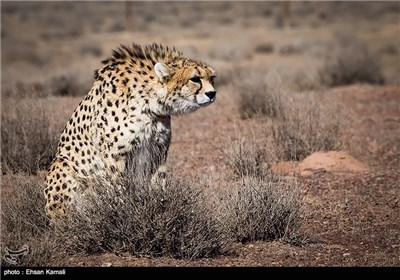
{"x": 56, "y": 42}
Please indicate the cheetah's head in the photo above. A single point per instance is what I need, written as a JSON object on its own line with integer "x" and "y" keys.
{"x": 187, "y": 86}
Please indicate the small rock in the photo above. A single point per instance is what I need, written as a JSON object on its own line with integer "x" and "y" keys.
{"x": 346, "y": 254}
{"x": 106, "y": 264}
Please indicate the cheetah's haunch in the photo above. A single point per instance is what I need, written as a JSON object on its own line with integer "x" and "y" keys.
{"x": 126, "y": 116}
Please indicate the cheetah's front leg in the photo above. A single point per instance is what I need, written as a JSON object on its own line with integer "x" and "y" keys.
{"x": 159, "y": 178}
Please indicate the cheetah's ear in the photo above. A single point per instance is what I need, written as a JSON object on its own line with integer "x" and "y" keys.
{"x": 162, "y": 71}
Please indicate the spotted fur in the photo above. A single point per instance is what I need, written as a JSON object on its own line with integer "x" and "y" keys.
{"x": 126, "y": 117}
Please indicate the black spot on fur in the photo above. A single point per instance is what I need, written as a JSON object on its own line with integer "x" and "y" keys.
{"x": 96, "y": 74}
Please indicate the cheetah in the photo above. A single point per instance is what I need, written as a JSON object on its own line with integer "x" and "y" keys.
{"x": 126, "y": 116}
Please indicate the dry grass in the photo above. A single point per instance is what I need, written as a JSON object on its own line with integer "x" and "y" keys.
{"x": 247, "y": 159}
{"x": 260, "y": 205}
{"x": 307, "y": 125}
{"x": 256, "y": 96}
{"x": 136, "y": 217}
{"x": 23, "y": 222}
{"x": 144, "y": 220}
{"x": 27, "y": 144}
{"x": 351, "y": 62}
{"x": 265, "y": 47}
{"x": 263, "y": 209}
{"x": 297, "y": 123}
{"x": 67, "y": 86}
{"x": 250, "y": 154}
{"x": 262, "y": 102}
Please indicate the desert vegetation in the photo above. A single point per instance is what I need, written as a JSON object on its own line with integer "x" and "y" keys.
{"x": 300, "y": 123}
{"x": 350, "y": 62}
{"x": 137, "y": 217}
{"x": 286, "y": 89}
{"x": 27, "y": 144}
{"x": 264, "y": 208}
{"x": 144, "y": 220}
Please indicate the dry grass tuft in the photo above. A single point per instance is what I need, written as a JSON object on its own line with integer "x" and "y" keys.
{"x": 27, "y": 144}
{"x": 351, "y": 63}
{"x": 250, "y": 154}
{"x": 67, "y": 86}
{"x": 144, "y": 220}
{"x": 297, "y": 123}
{"x": 24, "y": 222}
{"x": 307, "y": 126}
{"x": 263, "y": 209}
{"x": 257, "y": 98}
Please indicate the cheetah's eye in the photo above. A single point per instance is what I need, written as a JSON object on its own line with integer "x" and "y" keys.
{"x": 195, "y": 79}
{"x": 212, "y": 79}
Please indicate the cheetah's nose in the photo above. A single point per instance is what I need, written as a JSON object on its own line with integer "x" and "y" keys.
{"x": 211, "y": 94}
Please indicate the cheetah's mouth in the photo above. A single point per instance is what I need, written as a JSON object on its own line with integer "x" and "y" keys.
{"x": 206, "y": 103}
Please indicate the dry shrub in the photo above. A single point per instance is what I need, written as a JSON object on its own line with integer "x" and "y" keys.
{"x": 227, "y": 51}
{"x": 135, "y": 218}
{"x": 389, "y": 49}
{"x": 302, "y": 79}
{"x": 291, "y": 49}
{"x": 64, "y": 85}
{"x": 67, "y": 86}
{"x": 258, "y": 99}
{"x": 260, "y": 205}
{"x": 307, "y": 126}
{"x": 144, "y": 220}
{"x": 250, "y": 154}
{"x": 91, "y": 49}
{"x": 263, "y": 209}
{"x": 260, "y": 103}
{"x": 351, "y": 62}
{"x": 246, "y": 159}
{"x": 27, "y": 144}
{"x": 299, "y": 123}
{"x": 26, "y": 90}
{"x": 24, "y": 222}
{"x": 264, "y": 48}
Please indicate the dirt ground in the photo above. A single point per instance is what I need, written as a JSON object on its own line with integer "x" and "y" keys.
{"x": 352, "y": 215}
